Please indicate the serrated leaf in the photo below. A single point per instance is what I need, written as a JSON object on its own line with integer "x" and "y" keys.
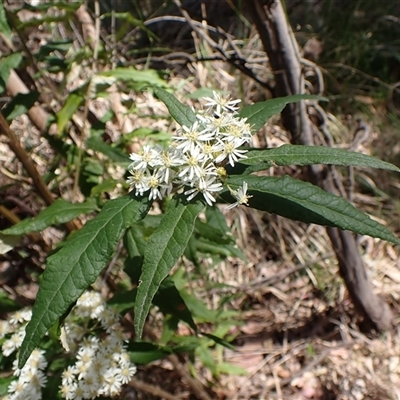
{"x": 72, "y": 269}
{"x": 308, "y": 155}
{"x": 72, "y": 103}
{"x": 259, "y": 113}
{"x": 6, "y": 65}
{"x": 181, "y": 113}
{"x": 163, "y": 250}
{"x": 59, "y": 212}
{"x": 305, "y": 202}
{"x": 149, "y": 76}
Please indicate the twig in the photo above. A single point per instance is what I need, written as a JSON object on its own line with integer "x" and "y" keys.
{"x": 237, "y": 61}
{"x": 20, "y": 204}
{"x": 153, "y": 390}
{"x": 13, "y": 218}
{"x": 196, "y": 386}
{"x": 312, "y": 364}
{"x": 15, "y": 146}
{"x": 21, "y": 154}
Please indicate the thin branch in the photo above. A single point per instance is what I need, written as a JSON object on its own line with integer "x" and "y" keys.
{"x": 153, "y": 390}
{"x": 237, "y": 61}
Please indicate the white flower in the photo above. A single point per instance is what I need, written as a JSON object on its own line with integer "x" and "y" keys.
{"x": 68, "y": 376}
{"x": 68, "y": 390}
{"x": 125, "y": 373}
{"x": 36, "y": 361}
{"x": 14, "y": 343}
{"x": 192, "y": 164}
{"x": 20, "y": 317}
{"x": 216, "y": 124}
{"x": 206, "y": 187}
{"x": 238, "y": 130}
{"x": 147, "y": 157}
{"x": 111, "y": 384}
{"x": 4, "y": 328}
{"x": 169, "y": 160}
{"x": 240, "y": 195}
{"x": 16, "y": 387}
{"x": 220, "y": 103}
{"x": 192, "y": 136}
{"x": 138, "y": 181}
{"x": 231, "y": 152}
{"x": 109, "y": 318}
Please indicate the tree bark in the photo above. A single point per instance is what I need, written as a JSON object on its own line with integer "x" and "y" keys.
{"x": 282, "y": 51}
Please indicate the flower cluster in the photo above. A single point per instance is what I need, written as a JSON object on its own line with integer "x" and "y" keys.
{"x": 102, "y": 365}
{"x": 31, "y": 378}
{"x": 196, "y": 157}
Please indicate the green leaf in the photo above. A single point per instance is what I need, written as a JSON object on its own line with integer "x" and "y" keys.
{"x": 145, "y": 353}
{"x": 305, "y": 202}
{"x": 210, "y": 247}
{"x": 214, "y": 235}
{"x": 113, "y": 153}
{"x": 147, "y": 133}
{"x": 7, "y": 64}
{"x": 72, "y": 103}
{"x": 124, "y": 301}
{"x": 106, "y": 186}
{"x": 216, "y": 219}
{"x": 4, "y": 384}
{"x": 59, "y": 212}
{"x": 47, "y": 49}
{"x": 181, "y": 113}
{"x": 218, "y": 340}
{"x": 20, "y": 104}
{"x": 4, "y": 27}
{"x": 149, "y": 76}
{"x": 169, "y": 301}
{"x": 288, "y": 154}
{"x": 128, "y": 17}
{"x": 8, "y": 242}
{"x": 6, "y": 303}
{"x": 72, "y": 269}
{"x": 259, "y": 113}
{"x": 163, "y": 250}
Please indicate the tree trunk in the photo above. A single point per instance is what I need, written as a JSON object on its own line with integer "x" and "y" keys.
{"x": 282, "y": 51}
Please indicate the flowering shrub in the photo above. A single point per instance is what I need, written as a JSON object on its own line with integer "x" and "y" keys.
{"x": 206, "y": 163}
{"x": 93, "y": 340}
